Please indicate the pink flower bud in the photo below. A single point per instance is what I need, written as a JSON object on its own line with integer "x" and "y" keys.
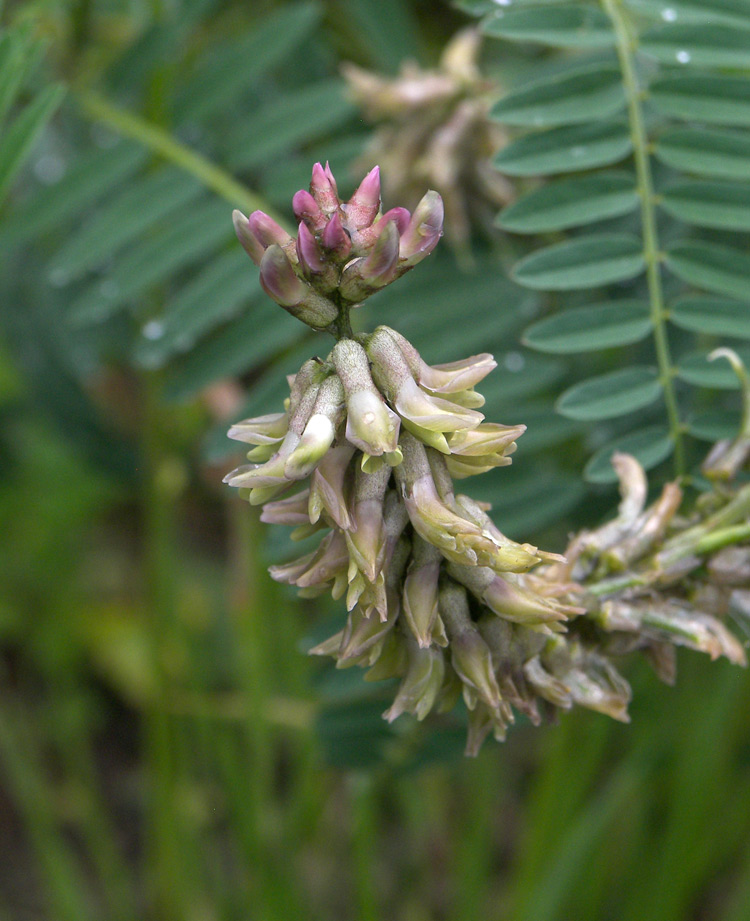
{"x": 250, "y": 243}
{"x": 335, "y": 239}
{"x": 308, "y": 252}
{"x": 306, "y": 209}
{"x": 279, "y": 279}
{"x": 266, "y": 231}
{"x": 323, "y": 189}
{"x": 364, "y": 205}
{"x": 424, "y": 230}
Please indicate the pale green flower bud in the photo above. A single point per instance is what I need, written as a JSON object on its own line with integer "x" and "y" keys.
{"x": 366, "y": 538}
{"x": 391, "y": 373}
{"x": 421, "y": 685}
{"x": 320, "y": 430}
{"x": 262, "y": 430}
{"x": 420, "y": 596}
{"x": 328, "y": 487}
{"x": 370, "y": 425}
{"x": 470, "y": 655}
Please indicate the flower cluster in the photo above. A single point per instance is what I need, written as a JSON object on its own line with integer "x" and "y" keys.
{"x": 434, "y": 131}
{"x": 343, "y": 252}
{"x": 365, "y": 455}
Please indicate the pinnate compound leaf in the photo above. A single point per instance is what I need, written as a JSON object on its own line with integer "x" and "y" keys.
{"x": 713, "y": 98}
{"x": 571, "y": 203}
{"x": 570, "y": 98}
{"x": 566, "y": 26}
{"x": 710, "y": 266}
{"x": 650, "y": 446}
{"x": 572, "y": 148}
{"x": 585, "y": 262}
{"x": 702, "y": 45}
{"x": 712, "y": 315}
{"x": 696, "y": 369}
{"x": 610, "y": 395}
{"x": 707, "y": 152}
{"x": 724, "y": 205}
{"x": 587, "y": 329}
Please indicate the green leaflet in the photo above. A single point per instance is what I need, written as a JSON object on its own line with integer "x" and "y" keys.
{"x": 727, "y": 12}
{"x": 567, "y": 26}
{"x": 571, "y": 98}
{"x": 696, "y": 369}
{"x": 712, "y": 98}
{"x": 706, "y": 152}
{"x": 725, "y": 205}
{"x": 585, "y": 329}
{"x": 610, "y": 395}
{"x": 715, "y": 426}
{"x": 701, "y": 45}
{"x": 566, "y": 150}
{"x": 585, "y": 262}
{"x": 650, "y": 446}
{"x": 712, "y": 315}
{"x": 571, "y": 203}
{"x": 713, "y": 267}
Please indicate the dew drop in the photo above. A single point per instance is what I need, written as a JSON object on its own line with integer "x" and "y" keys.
{"x": 503, "y": 2}
{"x": 58, "y": 278}
{"x": 668, "y": 14}
{"x": 578, "y": 151}
{"x": 514, "y": 362}
{"x": 154, "y": 329}
{"x": 49, "y": 169}
{"x": 683, "y": 57}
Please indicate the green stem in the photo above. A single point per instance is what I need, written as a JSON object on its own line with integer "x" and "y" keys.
{"x": 165, "y": 145}
{"x": 625, "y": 48}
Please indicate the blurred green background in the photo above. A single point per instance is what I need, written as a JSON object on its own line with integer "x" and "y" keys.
{"x": 167, "y": 750}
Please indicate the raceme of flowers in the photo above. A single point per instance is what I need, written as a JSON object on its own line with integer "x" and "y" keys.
{"x": 366, "y": 453}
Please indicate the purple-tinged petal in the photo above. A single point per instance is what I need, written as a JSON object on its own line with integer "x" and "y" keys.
{"x": 279, "y": 279}
{"x": 250, "y": 243}
{"x": 308, "y": 252}
{"x": 335, "y": 239}
{"x": 267, "y": 231}
{"x": 362, "y": 208}
{"x": 306, "y": 209}
{"x": 323, "y": 189}
{"x": 424, "y": 230}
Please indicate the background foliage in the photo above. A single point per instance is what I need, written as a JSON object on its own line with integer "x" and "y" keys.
{"x": 166, "y": 749}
